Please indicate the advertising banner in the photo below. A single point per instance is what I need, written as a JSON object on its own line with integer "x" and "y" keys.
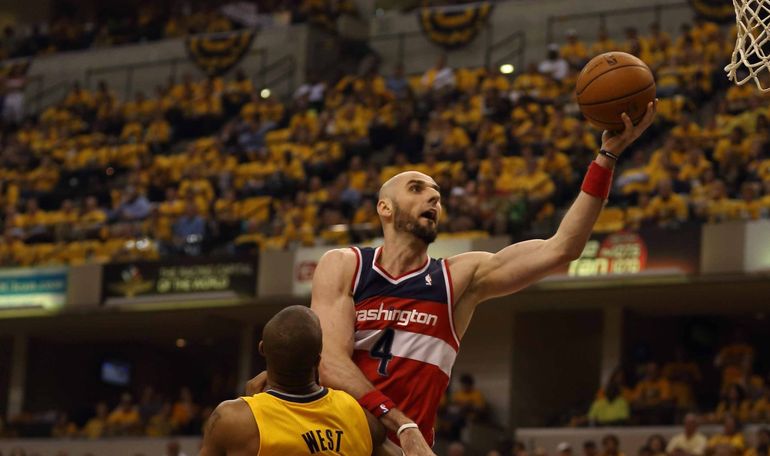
{"x": 179, "y": 279}
{"x": 33, "y": 288}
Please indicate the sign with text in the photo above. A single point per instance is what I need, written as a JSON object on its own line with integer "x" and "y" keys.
{"x": 652, "y": 252}
{"x": 33, "y": 288}
{"x": 181, "y": 279}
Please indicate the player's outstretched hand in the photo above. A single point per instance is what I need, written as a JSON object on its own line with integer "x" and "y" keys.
{"x": 257, "y": 384}
{"x": 616, "y": 142}
{"x": 414, "y": 444}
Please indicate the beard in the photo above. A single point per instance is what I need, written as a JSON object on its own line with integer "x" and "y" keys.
{"x": 409, "y": 224}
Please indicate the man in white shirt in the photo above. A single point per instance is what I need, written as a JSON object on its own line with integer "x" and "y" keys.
{"x": 690, "y": 442}
{"x": 554, "y": 65}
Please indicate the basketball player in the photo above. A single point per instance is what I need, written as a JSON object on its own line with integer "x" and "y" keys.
{"x": 294, "y": 416}
{"x": 393, "y": 318}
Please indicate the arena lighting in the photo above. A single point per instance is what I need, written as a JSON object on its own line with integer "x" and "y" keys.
{"x": 265, "y": 93}
{"x": 506, "y": 68}
{"x": 181, "y": 343}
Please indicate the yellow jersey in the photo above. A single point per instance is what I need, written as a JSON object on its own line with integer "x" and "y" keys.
{"x": 328, "y": 422}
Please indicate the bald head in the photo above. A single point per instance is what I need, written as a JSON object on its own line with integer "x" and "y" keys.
{"x": 291, "y": 345}
{"x": 400, "y": 180}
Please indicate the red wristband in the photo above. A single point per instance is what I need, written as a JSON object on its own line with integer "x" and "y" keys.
{"x": 376, "y": 402}
{"x": 598, "y": 181}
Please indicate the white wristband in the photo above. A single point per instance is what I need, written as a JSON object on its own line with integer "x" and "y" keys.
{"x": 406, "y": 426}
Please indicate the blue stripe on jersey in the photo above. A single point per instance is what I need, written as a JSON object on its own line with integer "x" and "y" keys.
{"x": 372, "y": 284}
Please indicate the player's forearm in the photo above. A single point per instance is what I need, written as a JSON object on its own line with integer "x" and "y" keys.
{"x": 338, "y": 371}
{"x": 576, "y": 226}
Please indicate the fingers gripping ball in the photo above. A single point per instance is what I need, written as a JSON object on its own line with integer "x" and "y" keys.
{"x": 611, "y": 84}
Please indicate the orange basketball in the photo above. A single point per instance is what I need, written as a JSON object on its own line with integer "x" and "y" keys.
{"x": 611, "y": 84}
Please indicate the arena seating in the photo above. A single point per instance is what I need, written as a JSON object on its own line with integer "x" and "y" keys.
{"x": 210, "y": 164}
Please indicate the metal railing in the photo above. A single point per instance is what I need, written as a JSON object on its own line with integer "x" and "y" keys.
{"x": 285, "y": 70}
{"x": 173, "y": 64}
{"x": 601, "y": 17}
{"x": 514, "y": 45}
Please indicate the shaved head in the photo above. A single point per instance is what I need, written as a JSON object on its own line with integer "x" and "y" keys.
{"x": 291, "y": 345}
{"x": 388, "y": 188}
{"x": 406, "y": 200}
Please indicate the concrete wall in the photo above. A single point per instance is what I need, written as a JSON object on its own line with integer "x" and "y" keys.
{"x": 153, "y": 63}
{"x": 103, "y": 447}
{"x": 557, "y": 360}
{"x": 529, "y": 16}
{"x": 487, "y": 353}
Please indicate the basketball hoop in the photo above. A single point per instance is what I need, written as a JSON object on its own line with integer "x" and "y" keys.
{"x": 751, "y": 56}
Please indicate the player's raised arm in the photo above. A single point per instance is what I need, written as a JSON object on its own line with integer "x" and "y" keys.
{"x": 230, "y": 431}
{"x": 521, "y": 264}
{"x": 333, "y": 303}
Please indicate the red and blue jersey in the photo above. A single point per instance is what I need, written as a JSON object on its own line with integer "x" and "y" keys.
{"x": 405, "y": 340}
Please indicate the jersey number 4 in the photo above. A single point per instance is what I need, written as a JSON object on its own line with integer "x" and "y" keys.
{"x": 382, "y": 351}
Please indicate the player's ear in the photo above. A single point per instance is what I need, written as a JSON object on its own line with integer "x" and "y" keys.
{"x": 261, "y": 349}
{"x": 385, "y": 207}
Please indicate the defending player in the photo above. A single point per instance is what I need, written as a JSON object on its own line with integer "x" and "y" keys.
{"x": 294, "y": 416}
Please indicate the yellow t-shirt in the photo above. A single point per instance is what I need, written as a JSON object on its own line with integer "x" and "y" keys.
{"x": 669, "y": 209}
{"x": 330, "y": 420}
{"x": 735, "y": 440}
{"x": 472, "y": 397}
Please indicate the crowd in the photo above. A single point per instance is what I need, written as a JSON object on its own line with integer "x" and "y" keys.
{"x": 215, "y": 164}
{"x": 661, "y": 395}
{"x": 114, "y": 24}
{"x": 153, "y": 415}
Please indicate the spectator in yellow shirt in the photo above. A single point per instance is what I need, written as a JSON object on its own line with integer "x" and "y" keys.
{"x": 603, "y": 43}
{"x": 719, "y": 207}
{"x": 733, "y": 403}
{"x": 667, "y": 208}
{"x": 97, "y": 426}
{"x": 652, "y": 396}
{"x": 682, "y": 374}
{"x": 730, "y": 439}
{"x": 466, "y": 405}
{"x": 694, "y": 166}
{"x": 733, "y": 359}
{"x": 124, "y": 420}
{"x": 184, "y": 409}
{"x": 574, "y": 51}
{"x": 733, "y": 150}
{"x": 750, "y": 207}
{"x": 611, "y": 446}
{"x": 762, "y": 443}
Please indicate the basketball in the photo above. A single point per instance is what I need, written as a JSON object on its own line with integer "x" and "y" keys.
{"x": 611, "y": 84}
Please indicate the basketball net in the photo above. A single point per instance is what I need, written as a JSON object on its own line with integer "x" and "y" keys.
{"x": 751, "y": 56}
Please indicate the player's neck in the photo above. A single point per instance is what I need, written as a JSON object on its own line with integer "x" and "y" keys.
{"x": 289, "y": 387}
{"x": 402, "y": 255}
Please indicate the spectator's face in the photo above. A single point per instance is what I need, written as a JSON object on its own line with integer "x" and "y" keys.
{"x": 729, "y": 425}
{"x": 456, "y": 449}
{"x": 610, "y": 446}
{"x": 664, "y": 188}
{"x": 690, "y": 424}
{"x": 651, "y": 371}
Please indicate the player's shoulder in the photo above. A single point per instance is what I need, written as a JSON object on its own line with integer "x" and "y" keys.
{"x": 233, "y": 410}
{"x": 339, "y": 256}
{"x": 467, "y": 260}
{"x": 232, "y": 425}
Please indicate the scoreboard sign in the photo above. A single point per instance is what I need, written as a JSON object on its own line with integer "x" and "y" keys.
{"x": 650, "y": 252}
